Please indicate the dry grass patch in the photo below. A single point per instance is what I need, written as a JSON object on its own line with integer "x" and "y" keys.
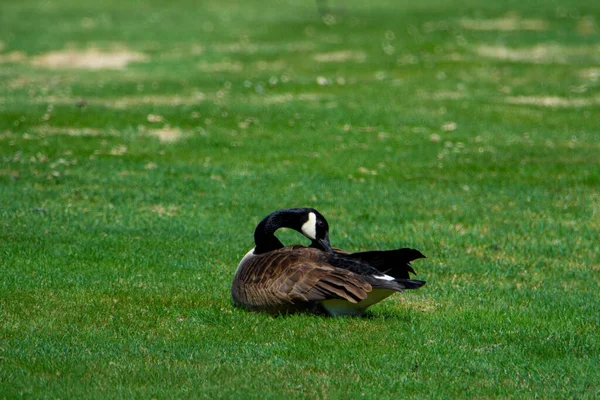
{"x": 13, "y": 57}
{"x": 69, "y": 131}
{"x": 591, "y": 74}
{"x": 118, "y": 150}
{"x": 288, "y": 97}
{"x": 443, "y": 95}
{"x": 166, "y": 134}
{"x": 12, "y": 173}
{"x": 19, "y": 83}
{"x": 587, "y": 26}
{"x": 416, "y": 303}
{"x": 253, "y": 48}
{"x": 91, "y": 58}
{"x": 554, "y": 101}
{"x": 539, "y": 54}
{"x": 237, "y": 66}
{"x": 161, "y": 100}
{"x": 510, "y": 22}
{"x": 276, "y": 65}
{"x": 168, "y": 211}
{"x": 223, "y": 66}
{"x": 126, "y": 101}
{"x": 340, "y": 56}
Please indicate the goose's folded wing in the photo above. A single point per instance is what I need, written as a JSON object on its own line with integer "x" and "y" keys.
{"x": 308, "y": 281}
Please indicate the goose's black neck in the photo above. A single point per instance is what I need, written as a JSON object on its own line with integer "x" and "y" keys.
{"x": 264, "y": 235}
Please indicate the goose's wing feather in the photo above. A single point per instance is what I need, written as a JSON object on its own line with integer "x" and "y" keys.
{"x": 314, "y": 282}
{"x": 295, "y": 275}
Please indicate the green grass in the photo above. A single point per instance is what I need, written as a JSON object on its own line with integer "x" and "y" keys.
{"x": 468, "y": 130}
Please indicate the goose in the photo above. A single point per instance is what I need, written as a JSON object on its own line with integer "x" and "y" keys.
{"x": 320, "y": 279}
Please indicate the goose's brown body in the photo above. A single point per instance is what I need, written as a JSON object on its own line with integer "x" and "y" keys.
{"x": 298, "y": 278}
{"x": 291, "y": 279}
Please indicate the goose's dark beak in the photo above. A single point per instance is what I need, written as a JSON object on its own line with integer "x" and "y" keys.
{"x": 325, "y": 244}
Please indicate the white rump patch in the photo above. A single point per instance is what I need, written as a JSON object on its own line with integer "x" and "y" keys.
{"x": 384, "y": 277}
{"x": 339, "y": 307}
{"x": 309, "y": 228}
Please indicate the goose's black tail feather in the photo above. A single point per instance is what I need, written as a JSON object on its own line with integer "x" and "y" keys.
{"x": 394, "y": 263}
{"x": 410, "y": 283}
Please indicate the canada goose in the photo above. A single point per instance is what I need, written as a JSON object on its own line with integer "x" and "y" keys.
{"x": 283, "y": 279}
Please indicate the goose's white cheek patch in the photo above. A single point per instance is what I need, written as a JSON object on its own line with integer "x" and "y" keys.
{"x": 309, "y": 228}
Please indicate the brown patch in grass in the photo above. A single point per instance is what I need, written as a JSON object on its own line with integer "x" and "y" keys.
{"x": 340, "y": 56}
{"x": 416, "y": 303}
{"x": 166, "y": 134}
{"x": 270, "y": 65}
{"x": 162, "y": 100}
{"x": 592, "y": 74}
{"x": 6, "y": 135}
{"x": 287, "y": 97}
{"x": 223, "y": 66}
{"x": 539, "y": 54}
{"x": 58, "y": 130}
{"x": 252, "y": 48}
{"x": 118, "y": 150}
{"x": 161, "y": 210}
{"x": 587, "y": 26}
{"x": 443, "y": 95}
{"x": 13, "y": 57}
{"x": 154, "y": 118}
{"x": 12, "y": 173}
{"x": 18, "y": 83}
{"x": 510, "y": 22}
{"x": 91, "y": 58}
{"x": 127, "y": 101}
{"x": 237, "y": 66}
{"x": 554, "y": 101}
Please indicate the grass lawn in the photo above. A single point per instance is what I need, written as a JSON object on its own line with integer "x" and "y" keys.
{"x": 141, "y": 142}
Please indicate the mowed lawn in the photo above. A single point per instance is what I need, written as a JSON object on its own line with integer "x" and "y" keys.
{"x": 142, "y": 141}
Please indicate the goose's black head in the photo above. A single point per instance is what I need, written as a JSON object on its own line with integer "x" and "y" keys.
{"x": 307, "y": 221}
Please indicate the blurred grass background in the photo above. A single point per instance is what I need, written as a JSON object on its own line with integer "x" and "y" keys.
{"x": 141, "y": 142}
